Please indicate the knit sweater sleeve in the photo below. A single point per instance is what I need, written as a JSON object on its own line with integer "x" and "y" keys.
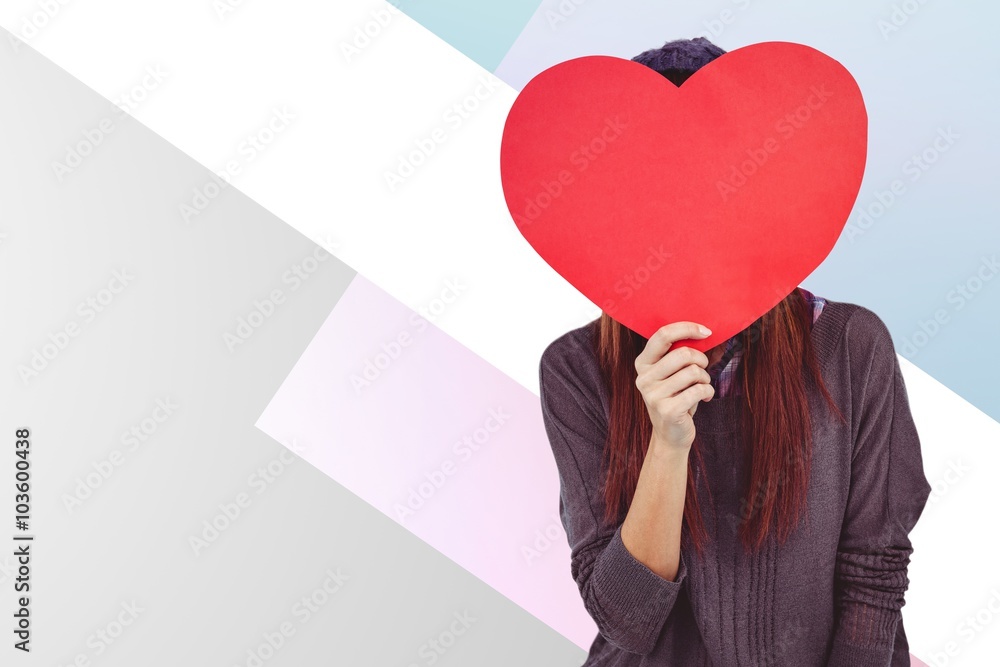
{"x": 888, "y": 491}
{"x": 629, "y": 602}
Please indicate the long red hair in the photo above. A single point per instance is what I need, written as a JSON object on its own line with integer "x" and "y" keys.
{"x": 778, "y": 359}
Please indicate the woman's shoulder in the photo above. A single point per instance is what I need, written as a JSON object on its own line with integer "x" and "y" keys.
{"x": 575, "y": 345}
{"x": 572, "y": 391}
{"x": 850, "y": 332}
{"x": 569, "y": 363}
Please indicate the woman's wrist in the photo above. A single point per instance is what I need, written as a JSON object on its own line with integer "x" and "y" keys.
{"x": 667, "y": 453}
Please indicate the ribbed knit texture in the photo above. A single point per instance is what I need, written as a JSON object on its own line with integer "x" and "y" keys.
{"x": 831, "y": 596}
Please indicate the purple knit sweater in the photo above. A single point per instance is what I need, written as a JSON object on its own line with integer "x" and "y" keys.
{"x": 830, "y": 596}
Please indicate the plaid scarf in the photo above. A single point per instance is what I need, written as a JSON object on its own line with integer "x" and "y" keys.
{"x": 724, "y": 369}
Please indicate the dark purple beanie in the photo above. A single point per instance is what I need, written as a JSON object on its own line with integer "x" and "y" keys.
{"x": 680, "y": 58}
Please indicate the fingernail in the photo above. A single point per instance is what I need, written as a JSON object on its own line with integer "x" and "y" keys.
{"x": 705, "y": 331}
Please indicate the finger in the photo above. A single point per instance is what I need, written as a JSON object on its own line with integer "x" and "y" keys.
{"x": 670, "y": 387}
{"x": 693, "y": 395}
{"x": 706, "y": 399}
{"x": 676, "y": 359}
{"x": 662, "y": 339}
{"x": 672, "y": 409}
{"x": 684, "y": 378}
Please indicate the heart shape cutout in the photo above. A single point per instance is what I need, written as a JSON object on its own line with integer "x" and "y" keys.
{"x": 707, "y": 202}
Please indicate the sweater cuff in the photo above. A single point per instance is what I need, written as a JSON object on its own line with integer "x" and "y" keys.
{"x": 628, "y": 584}
{"x": 852, "y": 655}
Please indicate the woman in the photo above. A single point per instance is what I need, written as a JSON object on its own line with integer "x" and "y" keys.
{"x": 749, "y": 506}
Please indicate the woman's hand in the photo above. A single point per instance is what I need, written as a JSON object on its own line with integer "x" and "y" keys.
{"x": 672, "y": 382}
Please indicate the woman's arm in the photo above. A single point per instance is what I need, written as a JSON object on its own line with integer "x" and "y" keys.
{"x": 629, "y": 591}
{"x": 887, "y": 495}
{"x": 652, "y": 528}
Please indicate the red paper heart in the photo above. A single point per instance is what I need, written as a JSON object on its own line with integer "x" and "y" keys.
{"x": 708, "y": 202}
